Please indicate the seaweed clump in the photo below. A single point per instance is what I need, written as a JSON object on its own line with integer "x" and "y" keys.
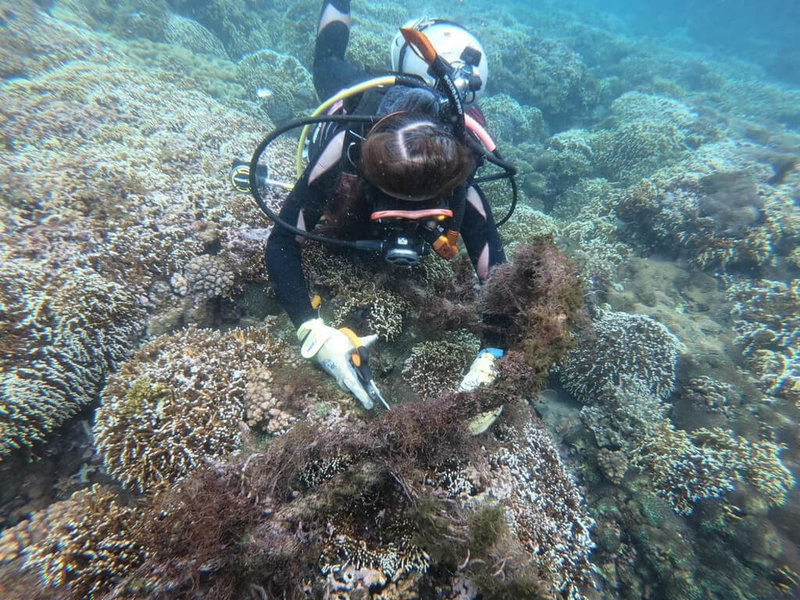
{"x": 536, "y": 298}
{"x": 408, "y": 505}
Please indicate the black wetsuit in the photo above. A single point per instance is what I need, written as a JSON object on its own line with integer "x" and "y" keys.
{"x": 311, "y": 195}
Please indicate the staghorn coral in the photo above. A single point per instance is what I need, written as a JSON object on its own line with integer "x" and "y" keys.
{"x": 619, "y": 345}
{"x": 178, "y": 401}
{"x": 766, "y": 317}
{"x": 435, "y": 366}
{"x": 536, "y": 298}
{"x": 77, "y": 546}
{"x": 62, "y": 330}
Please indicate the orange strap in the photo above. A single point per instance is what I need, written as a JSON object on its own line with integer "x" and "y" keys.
{"x": 447, "y": 245}
{"x": 420, "y": 42}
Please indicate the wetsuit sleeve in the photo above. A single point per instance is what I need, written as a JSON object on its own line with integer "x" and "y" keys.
{"x": 303, "y": 208}
{"x": 480, "y": 235}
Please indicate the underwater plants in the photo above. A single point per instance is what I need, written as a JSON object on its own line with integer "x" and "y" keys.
{"x": 536, "y": 298}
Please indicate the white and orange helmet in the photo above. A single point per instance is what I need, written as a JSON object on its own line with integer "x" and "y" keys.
{"x": 450, "y": 41}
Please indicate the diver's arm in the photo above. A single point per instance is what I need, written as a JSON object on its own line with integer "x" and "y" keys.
{"x": 283, "y": 252}
{"x": 480, "y": 235}
{"x": 485, "y": 249}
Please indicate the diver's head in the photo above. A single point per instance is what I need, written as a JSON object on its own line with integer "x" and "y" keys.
{"x": 412, "y": 158}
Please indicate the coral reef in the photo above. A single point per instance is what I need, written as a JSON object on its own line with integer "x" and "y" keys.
{"x": 719, "y": 207}
{"x": 525, "y": 225}
{"x": 360, "y": 294}
{"x": 436, "y": 366}
{"x": 179, "y": 401}
{"x": 706, "y": 463}
{"x": 189, "y": 34}
{"x": 620, "y": 345}
{"x": 547, "y": 509}
{"x": 544, "y": 73}
{"x": 590, "y": 237}
{"x": 630, "y": 424}
{"x": 766, "y": 317}
{"x": 76, "y": 546}
{"x": 509, "y": 122}
{"x": 289, "y": 83}
{"x": 712, "y": 395}
{"x": 568, "y": 157}
{"x": 63, "y": 328}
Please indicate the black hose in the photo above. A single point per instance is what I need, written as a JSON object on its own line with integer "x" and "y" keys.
{"x": 276, "y": 133}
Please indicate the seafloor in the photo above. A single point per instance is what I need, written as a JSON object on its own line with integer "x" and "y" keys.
{"x": 160, "y": 436}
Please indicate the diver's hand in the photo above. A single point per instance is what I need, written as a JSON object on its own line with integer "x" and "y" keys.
{"x": 483, "y": 370}
{"x": 332, "y": 349}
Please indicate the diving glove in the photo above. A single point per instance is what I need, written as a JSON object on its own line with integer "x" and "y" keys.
{"x": 483, "y": 370}
{"x": 333, "y": 351}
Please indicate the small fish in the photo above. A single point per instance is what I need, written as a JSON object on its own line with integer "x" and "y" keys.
{"x": 264, "y": 93}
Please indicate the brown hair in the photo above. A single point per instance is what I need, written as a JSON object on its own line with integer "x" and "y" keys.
{"x": 413, "y": 158}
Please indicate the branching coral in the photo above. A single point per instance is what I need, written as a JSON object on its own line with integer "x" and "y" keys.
{"x": 358, "y": 293}
{"x": 78, "y": 546}
{"x": 766, "y": 316}
{"x": 706, "y": 463}
{"x": 437, "y": 366}
{"x": 720, "y": 207}
{"x": 621, "y": 345}
{"x": 711, "y": 395}
{"x": 62, "y": 330}
{"x": 542, "y": 72}
{"x": 192, "y": 36}
{"x": 290, "y": 84}
{"x": 548, "y": 512}
{"x": 510, "y": 122}
{"x": 539, "y": 296}
{"x": 179, "y": 401}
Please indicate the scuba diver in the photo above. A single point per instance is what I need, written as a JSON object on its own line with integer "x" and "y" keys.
{"x": 390, "y": 169}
